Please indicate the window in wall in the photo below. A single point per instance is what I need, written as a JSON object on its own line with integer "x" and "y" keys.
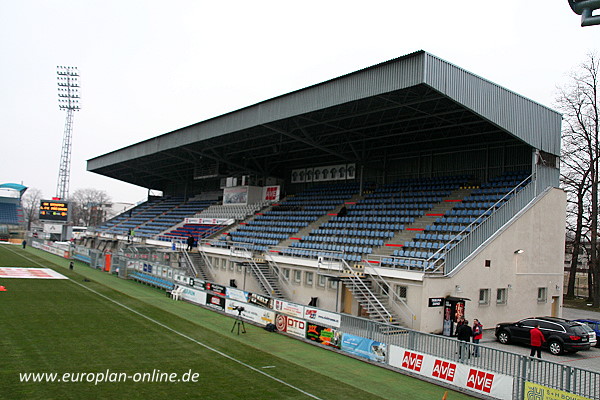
{"x": 297, "y": 276}
{"x": 542, "y": 294}
{"x": 501, "y": 296}
{"x": 333, "y": 284}
{"x": 286, "y": 273}
{"x": 322, "y": 281}
{"x": 308, "y": 278}
{"x": 401, "y": 291}
{"x": 484, "y": 296}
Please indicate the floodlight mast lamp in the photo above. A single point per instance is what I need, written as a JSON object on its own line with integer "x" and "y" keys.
{"x": 68, "y": 99}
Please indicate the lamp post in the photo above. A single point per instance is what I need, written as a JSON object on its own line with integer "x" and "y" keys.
{"x": 68, "y": 99}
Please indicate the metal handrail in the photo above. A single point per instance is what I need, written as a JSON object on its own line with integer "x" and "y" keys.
{"x": 261, "y": 277}
{"x": 366, "y": 292}
{"x": 411, "y": 314}
{"x": 190, "y": 263}
{"x": 488, "y": 213}
{"x": 280, "y": 277}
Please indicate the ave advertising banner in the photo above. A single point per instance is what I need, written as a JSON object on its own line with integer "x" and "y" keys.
{"x": 362, "y": 347}
{"x": 491, "y": 384}
{"x": 293, "y": 326}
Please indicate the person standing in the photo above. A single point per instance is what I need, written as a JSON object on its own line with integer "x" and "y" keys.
{"x": 24, "y": 243}
{"x": 537, "y": 339}
{"x": 464, "y": 334}
{"x": 190, "y": 243}
{"x": 477, "y": 335}
{"x": 71, "y": 265}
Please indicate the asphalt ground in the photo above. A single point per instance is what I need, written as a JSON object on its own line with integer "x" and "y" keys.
{"x": 587, "y": 359}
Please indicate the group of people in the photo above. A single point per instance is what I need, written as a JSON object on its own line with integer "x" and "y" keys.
{"x": 464, "y": 333}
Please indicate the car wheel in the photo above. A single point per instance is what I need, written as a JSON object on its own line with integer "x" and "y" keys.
{"x": 555, "y": 348}
{"x": 504, "y": 337}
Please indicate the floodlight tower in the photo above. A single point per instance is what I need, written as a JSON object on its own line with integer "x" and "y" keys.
{"x": 68, "y": 99}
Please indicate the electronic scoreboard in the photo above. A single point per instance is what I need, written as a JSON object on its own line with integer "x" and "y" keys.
{"x": 54, "y": 210}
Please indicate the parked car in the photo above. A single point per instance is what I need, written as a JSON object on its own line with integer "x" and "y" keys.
{"x": 561, "y": 335}
{"x": 591, "y": 334}
{"x": 594, "y": 324}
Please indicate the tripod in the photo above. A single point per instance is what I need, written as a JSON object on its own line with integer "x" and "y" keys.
{"x": 239, "y": 322}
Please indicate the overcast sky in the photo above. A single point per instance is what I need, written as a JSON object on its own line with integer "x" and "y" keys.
{"x": 149, "y": 67}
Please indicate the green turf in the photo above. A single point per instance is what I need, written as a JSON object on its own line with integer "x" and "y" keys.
{"x": 73, "y": 326}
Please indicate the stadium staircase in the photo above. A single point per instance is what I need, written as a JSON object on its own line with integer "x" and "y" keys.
{"x": 198, "y": 265}
{"x": 373, "y": 298}
{"x": 421, "y": 223}
{"x": 268, "y": 281}
{"x": 267, "y": 275}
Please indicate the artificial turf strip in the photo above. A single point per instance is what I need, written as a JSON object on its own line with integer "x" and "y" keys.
{"x": 59, "y": 326}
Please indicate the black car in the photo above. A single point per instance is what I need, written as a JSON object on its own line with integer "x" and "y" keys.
{"x": 561, "y": 335}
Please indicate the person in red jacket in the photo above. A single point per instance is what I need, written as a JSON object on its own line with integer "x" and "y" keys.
{"x": 477, "y": 335}
{"x": 537, "y": 339}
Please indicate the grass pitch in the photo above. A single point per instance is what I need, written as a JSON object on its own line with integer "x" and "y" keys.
{"x": 125, "y": 330}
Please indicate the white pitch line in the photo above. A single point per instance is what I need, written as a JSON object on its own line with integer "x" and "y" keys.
{"x": 186, "y": 336}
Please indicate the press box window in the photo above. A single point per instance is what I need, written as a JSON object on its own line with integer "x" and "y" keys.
{"x": 484, "y": 296}
{"x": 542, "y": 294}
{"x": 501, "y": 296}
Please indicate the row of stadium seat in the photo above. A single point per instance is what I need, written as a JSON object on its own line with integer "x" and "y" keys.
{"x": 151, "y": 280}
{"x": 343, "y": 240}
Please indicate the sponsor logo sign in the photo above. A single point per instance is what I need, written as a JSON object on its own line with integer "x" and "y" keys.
{"x": 215, "y": 302}
{"x": 258, "y": 315}
{"x": 218, "y": 289}
{"x": 540, "y": 392}
{"x": 436, "y": 302}
{"x": 291, "y": 309}
{"x": 480, "y": 380}
{"x": 237, "y": 294}
{"x": 209, "y": 221}
{"x": 362, "y": 347}
{"x": 259, "y": 299}
{"x": 49, "y": 248}
{"x": 30, "y": 273}
{"x": 271, "y": 193}
{"x": 194, "y": 296}
{"x": 484, "y": 382}
{"x": 444, "y": 370}
{"x": 322, "y": 317}
{"x": 323, "y": 335}
{"x": 293, "y": 326}
{"x": 412, "y": 361}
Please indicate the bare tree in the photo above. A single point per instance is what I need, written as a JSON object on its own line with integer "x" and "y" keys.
{"x": 31, "y": 206}
{"x": 578, "y": 101}
{"x": 88, "y": 206}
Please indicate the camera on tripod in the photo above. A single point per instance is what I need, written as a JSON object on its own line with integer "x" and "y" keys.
{"x": 239, "y": 309}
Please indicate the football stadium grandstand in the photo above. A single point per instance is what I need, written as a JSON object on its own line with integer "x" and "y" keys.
{"x": 430, "y": 184}
{"x": 11, "y": 212}
{"x": 375, "y": 209}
